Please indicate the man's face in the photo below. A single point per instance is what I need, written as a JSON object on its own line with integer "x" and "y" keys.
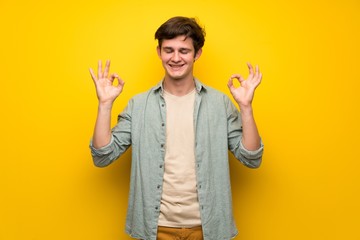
{"x": 178, "y": 56}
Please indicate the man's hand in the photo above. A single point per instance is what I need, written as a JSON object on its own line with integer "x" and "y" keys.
{"x": 105, "y": 90}
{"x": 244, "y": 94}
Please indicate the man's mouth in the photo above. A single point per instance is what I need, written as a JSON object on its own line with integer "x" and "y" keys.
{"x": 176, "y": 66}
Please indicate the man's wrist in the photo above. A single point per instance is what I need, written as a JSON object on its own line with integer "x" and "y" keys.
{"x": 107, "y": 106}
{"x": 247, "y": 109}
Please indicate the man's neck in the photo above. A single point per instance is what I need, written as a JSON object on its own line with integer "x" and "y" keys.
{"x": 179, "y": 87}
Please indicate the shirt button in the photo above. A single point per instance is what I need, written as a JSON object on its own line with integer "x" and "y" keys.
{"x": 156, "y": 207}
{"x": 162, "y": 145}
{"x": 158, "y": 186}
{"x": 162, "y": 105}
{"x": 163, "y": 124}
{"x": 160, "y": 166}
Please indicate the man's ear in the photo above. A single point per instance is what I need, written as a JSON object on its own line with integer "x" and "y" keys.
{"x": 158, "y": 51}
{"x": 198, "y": 54}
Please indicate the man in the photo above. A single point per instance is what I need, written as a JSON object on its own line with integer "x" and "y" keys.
{"x": 180, "y": 132}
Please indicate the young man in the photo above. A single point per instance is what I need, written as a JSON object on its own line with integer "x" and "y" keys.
{"x": 180, "y": 132}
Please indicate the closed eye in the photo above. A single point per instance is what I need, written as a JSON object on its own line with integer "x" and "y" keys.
{"x": 184, "y": 51}
{"x": 168, "y": 50}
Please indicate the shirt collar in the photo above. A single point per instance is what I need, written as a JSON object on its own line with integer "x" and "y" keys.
{"x": 198, "y": 85}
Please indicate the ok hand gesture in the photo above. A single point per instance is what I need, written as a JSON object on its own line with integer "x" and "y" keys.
{"x": 105, "y": 90}
{"x": 244, "y": 94}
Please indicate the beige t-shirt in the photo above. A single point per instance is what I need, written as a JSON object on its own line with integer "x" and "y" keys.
{"x": 179, "y": 203}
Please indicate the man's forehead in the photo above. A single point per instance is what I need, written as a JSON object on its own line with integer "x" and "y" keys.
{"x": 178, "y": 42}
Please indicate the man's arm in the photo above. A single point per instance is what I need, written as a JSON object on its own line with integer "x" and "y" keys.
{"x": 244, "y": 95}
{"x": 106, "y": 94}
{"x": 251, "y": 137}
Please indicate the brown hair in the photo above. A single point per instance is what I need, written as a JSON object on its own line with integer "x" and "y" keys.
{"x": 178, "y": 26}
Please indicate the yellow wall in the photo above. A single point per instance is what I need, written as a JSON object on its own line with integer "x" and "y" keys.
{"x": 306, "y": 109}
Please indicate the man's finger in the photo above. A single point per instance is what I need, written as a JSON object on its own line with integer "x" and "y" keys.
{"x": 230, "y": 83}
{"x": 100, "y": 69}
{"x": 251, "y": 70}
{"x": 92, "y": 75}
{"x": 257, "y": 72}
{"x": 238, "y": 77}
{"x": 112, "y": 77}
{"x": 120, "y": 81}
{"x": 106, "y": 70}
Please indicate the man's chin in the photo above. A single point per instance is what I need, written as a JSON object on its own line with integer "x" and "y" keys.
{"x": 176, "y": 76}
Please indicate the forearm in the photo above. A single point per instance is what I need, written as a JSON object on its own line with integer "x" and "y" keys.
{"x": 102, "y": 130}
{"x": 251, "y": 137}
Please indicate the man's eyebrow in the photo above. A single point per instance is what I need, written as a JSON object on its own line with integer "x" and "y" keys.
{"x": 181, "y": 49}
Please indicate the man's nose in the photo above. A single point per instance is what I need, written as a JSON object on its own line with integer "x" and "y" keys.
{"x": 176, "y": 56}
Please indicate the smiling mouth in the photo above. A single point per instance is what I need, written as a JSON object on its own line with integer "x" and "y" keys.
{"x": 176, "y": 66}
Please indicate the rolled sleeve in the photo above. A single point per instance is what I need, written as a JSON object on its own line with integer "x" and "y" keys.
{"x": 252, "y": 154}
{"x": 251, "y": 158}
{"x": 105, "y": 155}
{"x": 103, "y": 150}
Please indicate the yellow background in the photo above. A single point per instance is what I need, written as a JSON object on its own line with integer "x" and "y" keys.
{"x": 306, "y": 109}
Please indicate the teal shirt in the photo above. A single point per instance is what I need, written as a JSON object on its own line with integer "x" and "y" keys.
{"x": 218, "y": 128}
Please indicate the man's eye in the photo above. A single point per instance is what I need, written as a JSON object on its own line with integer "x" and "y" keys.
{"x": 184, "y": 52}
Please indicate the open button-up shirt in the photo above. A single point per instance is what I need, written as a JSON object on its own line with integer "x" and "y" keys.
{"x": 218, "y": 128}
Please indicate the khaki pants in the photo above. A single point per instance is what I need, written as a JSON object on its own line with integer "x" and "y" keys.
{"x": 169, "y": 233}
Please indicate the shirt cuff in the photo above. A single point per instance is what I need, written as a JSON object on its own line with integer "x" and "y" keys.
{"x": 252, "y": 154}
{"x": 103, "y": 150}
